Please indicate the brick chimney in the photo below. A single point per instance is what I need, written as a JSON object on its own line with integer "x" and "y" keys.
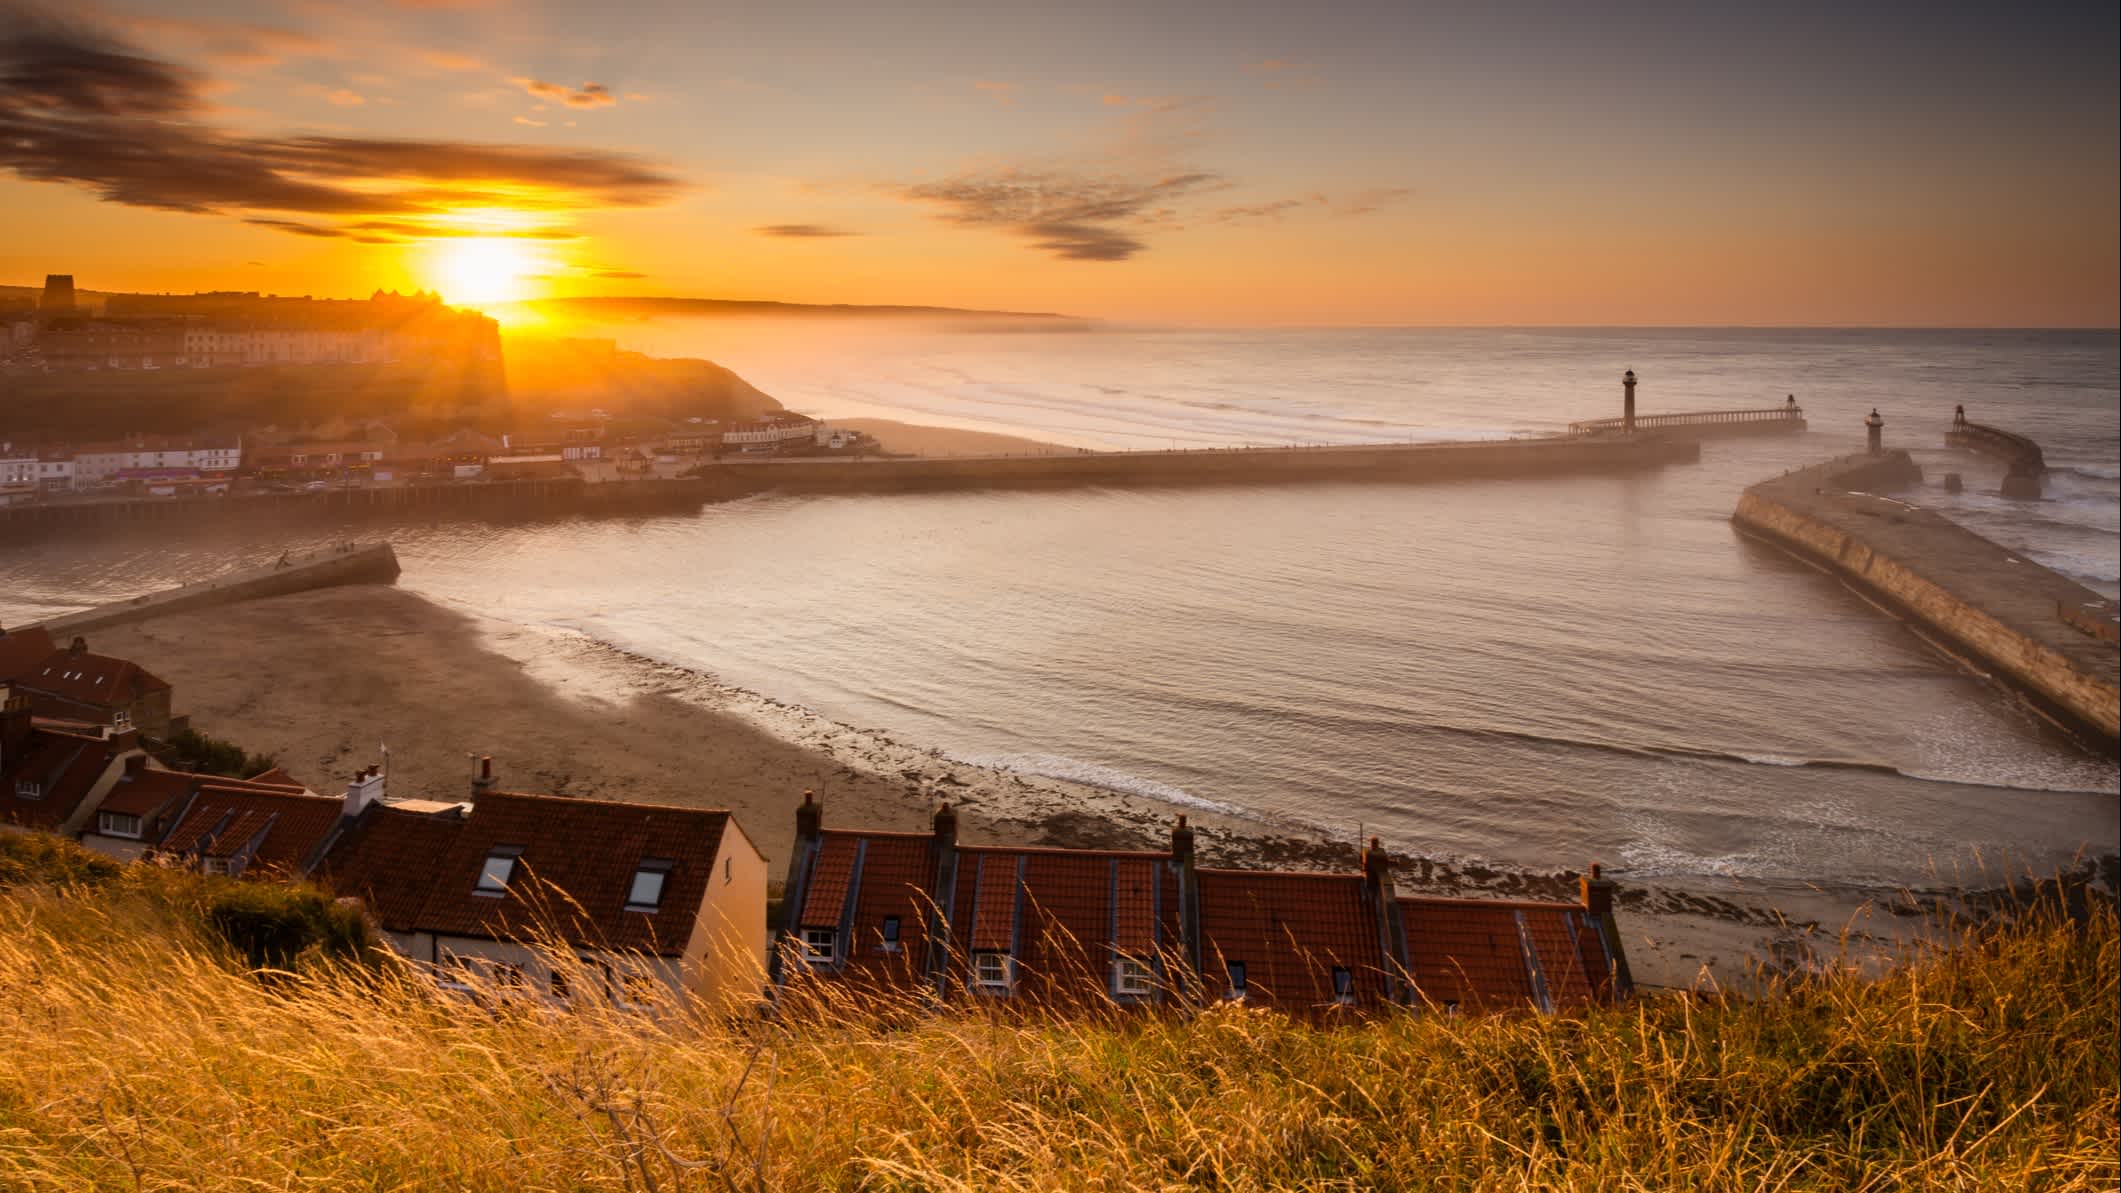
{"x": 795, "y": 889}
{"x": 1183, "y": 860}
{"x": 809, "y": 818}
{"x": 15, "y": 727}
{"x": 482, "y": 776}
{"x": 936, "y": 965}
{"x": 1597, "y": 892}
{"x": 79, "y": 646}
{"x": 1377, "y": 886}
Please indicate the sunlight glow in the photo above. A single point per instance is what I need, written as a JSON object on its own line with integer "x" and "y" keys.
{"x": 480, "y": 270}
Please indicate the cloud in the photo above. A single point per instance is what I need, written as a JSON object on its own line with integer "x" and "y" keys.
{"x": 525, "y": 120}
{"x": 447, "y": 60}
{"x": 88, "y": 111}
{"x": 802, "y": 231}
{"x": 1076, "y": 217}
{"x": 1003, "y": 93}
{"x": 1365, "y": 202}
{"x": 617, "y": 274}
{"x": 231, "y": 44}
{"x": 588, "y": 95}
{"x": 345, "y": 98}
{"x": 295, "y": 226}
{"x": 1270, "y": 212}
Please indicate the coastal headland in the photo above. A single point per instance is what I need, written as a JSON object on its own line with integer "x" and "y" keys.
{"x": 2037, "y": 631}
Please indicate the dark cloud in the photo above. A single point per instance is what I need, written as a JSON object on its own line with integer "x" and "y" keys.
{"x": 1073, "y": 217}
{"x": 1262, "y": 212}
{"x": 588, "y": 95}
{"x": 295, "y": 226}
{"x": 802, "y": 231}
{"x": 85, "y": 110}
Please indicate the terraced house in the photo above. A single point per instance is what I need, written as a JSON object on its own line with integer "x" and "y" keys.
{"x": 918, "y": 913}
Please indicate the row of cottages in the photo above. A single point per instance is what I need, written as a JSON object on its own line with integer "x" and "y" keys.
{"x": 76, "y": 684}
{"x": 919, "y": 913}
{"x": 534, "y": 895}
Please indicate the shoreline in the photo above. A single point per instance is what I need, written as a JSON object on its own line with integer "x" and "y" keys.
{"x": 316, "y": 677}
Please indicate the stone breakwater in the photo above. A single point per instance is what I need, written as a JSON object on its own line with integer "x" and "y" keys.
{"x": 346, "y": 563}
{"x": 2007, "y": 616}
{"x": 1391, "y": 463}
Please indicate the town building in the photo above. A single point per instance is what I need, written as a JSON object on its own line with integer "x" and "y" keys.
{"x": 99, "y": 463}
{"x": 77, "y": 685}
{"x": 785, "y": 431}
{"x": 918, "y": 913}
{"x": 538, "y": 893}
{"x": 54, "y": 774}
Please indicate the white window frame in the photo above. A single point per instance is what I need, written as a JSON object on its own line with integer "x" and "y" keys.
{"x": 217, "y": 865}
{"x": 121, "y": 719}
{"x": 993, "y": 971}
{"x": 1343, "y": 997}
{"x": 509, "y": 853}
{"x": 1132, "y": 977}
{"x": 28, "y": 789}
{"x": 890, "y": 933}
{"x": 820, "y": 945}
{"x": 110, "y": 824}
{"x": 661, "y": 868}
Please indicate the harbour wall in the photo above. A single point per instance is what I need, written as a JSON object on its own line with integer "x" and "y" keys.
{"x": 349, "y": 563}
{"x": 1397, "y": 463}
{"x": 2017, "y": 621}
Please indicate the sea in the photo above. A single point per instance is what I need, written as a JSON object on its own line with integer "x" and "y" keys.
{"x": 1524, "y": 674}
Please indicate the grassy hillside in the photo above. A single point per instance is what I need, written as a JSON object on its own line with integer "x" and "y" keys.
{"x": 140, "y": 1054}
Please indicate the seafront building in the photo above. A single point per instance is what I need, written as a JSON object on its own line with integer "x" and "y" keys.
{"x": 920, "y": 913}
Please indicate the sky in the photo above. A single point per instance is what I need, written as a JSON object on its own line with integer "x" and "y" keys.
{"x": 1228, "y": 162}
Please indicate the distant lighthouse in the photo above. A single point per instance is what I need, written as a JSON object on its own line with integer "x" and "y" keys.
{"x": 1874, "y": 432}
{"x": 1627, "y": 401}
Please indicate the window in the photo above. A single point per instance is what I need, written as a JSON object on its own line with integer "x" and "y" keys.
{"x": 560, "y": 988}
{"x": 509, "y": 977}
{"x": 118, "y": 824}
{"x": 122, "y": 719}
{"x": 496, "y": 870}
{"x": 646, "y": 893}
{"x": 1237, "y": 981}
{"x": 1343, "y": 986}
{"x": 819, "y": 945}
{"x": 891, "y": 934}
{"x": 992, "y": 971}
{"x": 217, "y": 865}
{"x": 28, "y": 789}
{"x": 1132, "y": 978}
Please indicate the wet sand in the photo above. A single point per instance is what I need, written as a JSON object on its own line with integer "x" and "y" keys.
{"x": 914, "y": 440}
{"x": 324, "y": 679}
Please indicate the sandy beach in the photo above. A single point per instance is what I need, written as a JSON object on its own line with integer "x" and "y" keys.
{"x": 323, "y": 680}
{"x": 914, "y": 440}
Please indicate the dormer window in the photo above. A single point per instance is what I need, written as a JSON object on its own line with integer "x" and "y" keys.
{"x": 28, "y": 789}
{"x": 993, "y": 972}
{"x": 496, "y": 870}
{"x": 217, "y": 865}
{"x": 1132, "y": 978}
{"x": 1236, "y": 992}
{"x": 122, "y": 719}
{"x": 118, "y": 824}
{"x": 820, "y": 945}
{"x": 1343, "y": 986}
{"x": 890, "y": 934}
{"x": 646, "y": 893}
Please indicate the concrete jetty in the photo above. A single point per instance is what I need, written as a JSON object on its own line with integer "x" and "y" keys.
{"x": 2027, "y": 463}
{"x": 1694, "y": 424}
{"x": 1397, "y": 462}
{"x": 345, "y": 563}
{"x": 2040, "y": 633}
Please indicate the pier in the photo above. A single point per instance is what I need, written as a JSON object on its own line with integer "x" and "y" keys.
{"x": 2039, "y": 633}
{"x": 1694, "y": 424}
{"x": 2027, "y": 464}
{"x": 346, "y": 563}
{"x": 1390, "y": 463}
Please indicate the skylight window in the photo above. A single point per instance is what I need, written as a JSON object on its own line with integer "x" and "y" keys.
{"x": 891, "y": 933}
{"x": 496, "y": 870}
{"x": 1343, "y": 986}
{"x": 646, "y": 893}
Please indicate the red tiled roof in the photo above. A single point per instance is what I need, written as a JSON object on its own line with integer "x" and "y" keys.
{"x": 86, "y": 678}
{"x": 1498, "y": 956}
{"x": 1063, "y": 913}
{"x": 1291, "y": 931}
{"x": 61, "y": 767}
{"x": 275, "y": 776}
{"x": 225, "y": 817}
{"x": 584, "y": 850}
{"x": 390, "y": 860}
{"x": 857, "y": 881}
{"x": 145, "y": 792}
{"x": 831, "y": 877}
{"x": 22, "y": 649}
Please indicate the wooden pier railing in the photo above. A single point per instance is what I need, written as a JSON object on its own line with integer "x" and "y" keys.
{"x": 1773, "y": 418}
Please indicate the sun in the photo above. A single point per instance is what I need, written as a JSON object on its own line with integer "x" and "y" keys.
{"x": 483, "y": 269}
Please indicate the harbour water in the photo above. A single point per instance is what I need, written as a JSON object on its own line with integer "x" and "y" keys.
{"x": 1522, "y": 673}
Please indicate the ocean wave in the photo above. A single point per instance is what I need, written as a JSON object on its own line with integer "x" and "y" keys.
{"x": 1091, "y": 774}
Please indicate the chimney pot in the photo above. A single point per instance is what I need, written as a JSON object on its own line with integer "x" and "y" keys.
{"x": 809, "y": 817}
{"x": 1182, "y": 841}
{"x": 78, "y": 646}
{"x": 945, "y": 823}
{"x": 1597, "y": 891}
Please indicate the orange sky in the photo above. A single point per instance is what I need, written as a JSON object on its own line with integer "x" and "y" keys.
{"x": 1215, "y": 163}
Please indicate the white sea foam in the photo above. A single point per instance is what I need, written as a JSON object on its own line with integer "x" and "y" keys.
{"x": 1091, "y": 774}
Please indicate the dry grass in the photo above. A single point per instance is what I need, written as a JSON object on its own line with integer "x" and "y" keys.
{"x": 137, "y": 1053}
